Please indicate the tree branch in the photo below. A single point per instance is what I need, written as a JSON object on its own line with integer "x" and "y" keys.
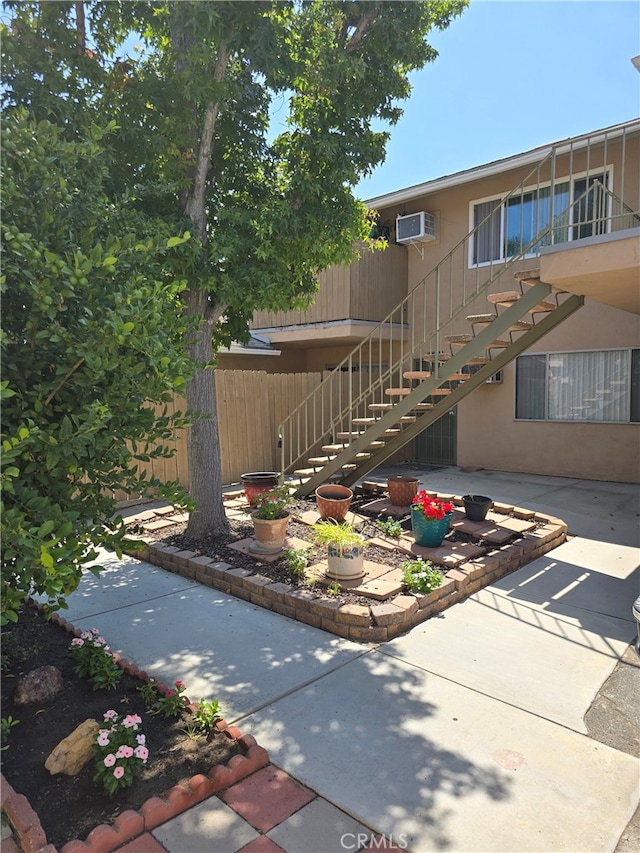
{"x": 195, "y": 203}
{"x": 63, "y": 381}
{"x": 364, "y": 24}
{"x": 81, "y": 35}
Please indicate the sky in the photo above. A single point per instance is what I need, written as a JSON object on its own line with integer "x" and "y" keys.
{"x": 512, "y": 75}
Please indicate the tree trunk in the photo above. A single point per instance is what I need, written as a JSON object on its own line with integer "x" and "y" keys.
{"x": 203, "y": 439}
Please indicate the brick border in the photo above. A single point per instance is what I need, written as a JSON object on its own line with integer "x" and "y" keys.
{"x": 379, "y": 621}
{"x": 29, "y": 836}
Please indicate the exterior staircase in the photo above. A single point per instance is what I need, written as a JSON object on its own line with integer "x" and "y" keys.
{"x": 452, "y": 333}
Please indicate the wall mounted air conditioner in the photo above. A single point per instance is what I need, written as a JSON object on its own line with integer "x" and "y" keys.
{"x": 415, "y": 227}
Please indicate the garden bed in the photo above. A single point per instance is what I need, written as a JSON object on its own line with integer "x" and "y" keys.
{"x": 180, "y": 770}
{"x": 473, "y": 555}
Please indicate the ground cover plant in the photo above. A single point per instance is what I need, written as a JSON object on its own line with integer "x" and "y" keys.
{"x": 175, "y": 747}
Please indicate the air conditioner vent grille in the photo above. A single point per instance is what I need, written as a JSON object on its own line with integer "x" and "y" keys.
{"x": 415, "y": 227}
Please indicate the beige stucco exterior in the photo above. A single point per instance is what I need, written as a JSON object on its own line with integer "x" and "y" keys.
{"x": 605, "y": 270}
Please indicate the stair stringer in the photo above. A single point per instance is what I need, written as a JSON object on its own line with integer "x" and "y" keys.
{"x": 452, "y": 366}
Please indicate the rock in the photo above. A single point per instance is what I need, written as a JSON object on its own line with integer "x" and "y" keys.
{"x": 72, "y": 753}
{"x": 39, "y": 685}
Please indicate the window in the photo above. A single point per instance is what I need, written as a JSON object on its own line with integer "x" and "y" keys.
{"x": 601, "y": 387}
{"x": 508, "y": 228}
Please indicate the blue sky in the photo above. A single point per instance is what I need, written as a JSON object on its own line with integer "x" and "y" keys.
{"x": 511, "y": 75}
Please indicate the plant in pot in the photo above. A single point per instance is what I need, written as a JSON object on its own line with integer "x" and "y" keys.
{"x": 430, "y": 519}
{"x": 476, "y": 507}
{"x": 270, "y": 520}
{"x": 345, "y": 549}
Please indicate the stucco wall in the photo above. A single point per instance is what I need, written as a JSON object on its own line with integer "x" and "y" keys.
{"x": 489, "y": 436}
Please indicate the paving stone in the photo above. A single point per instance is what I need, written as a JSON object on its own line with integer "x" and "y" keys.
{"x": 211, "y": 825}
{"x": 318, "y": 826}
{"x": 157, "y": 524}
{"x": 380, "y": 589}
{"x": 387, "y": 614}
{"x": 497, "y": 535}
{"x": 502, "y": 508}
{"x": 267, "y": 797}
{"x": 519, "y": 525}
{"x": 164, "y": 510}
{"x": 353, "y": 614}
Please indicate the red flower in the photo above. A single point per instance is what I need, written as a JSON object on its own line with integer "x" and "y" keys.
{"x": 432, "y": 508}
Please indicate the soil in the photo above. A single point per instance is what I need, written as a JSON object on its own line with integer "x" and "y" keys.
{"x": 279, "y": 570}
{"x": 70, "y": 807}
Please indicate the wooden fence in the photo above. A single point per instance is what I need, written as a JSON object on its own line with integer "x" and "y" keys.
{"x": 251, "y": 405}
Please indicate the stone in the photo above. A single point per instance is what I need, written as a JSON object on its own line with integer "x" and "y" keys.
{"x": 72, "y": 753}
{"x": 39, "y": 685}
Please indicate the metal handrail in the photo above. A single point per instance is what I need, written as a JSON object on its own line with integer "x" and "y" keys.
{"x": 331, "y": 407}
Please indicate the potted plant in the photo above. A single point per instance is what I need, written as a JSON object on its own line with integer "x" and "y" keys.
{"x": 270, "y": 520}
{"x": 476, "y": 507}
{"x": 345, "y": 549}
{"x": 430, "y": 519}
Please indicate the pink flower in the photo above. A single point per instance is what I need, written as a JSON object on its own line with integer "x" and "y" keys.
{"x": 103, "y": 740}
{"x": 110, "y": 715}
{"x": 180, "y": 684}
{"x": 95, "y": 631}
{"x": 109, "y": 760}
{"x": 124, "y": 751}
{"x": 141, "y": 739}
{"x": 77, "y": 642}
{"x": 169, "y": 693}
{"x": 118, "y": 772}
{"x": 131, "y": 721}
{"x": 141, "y": 752}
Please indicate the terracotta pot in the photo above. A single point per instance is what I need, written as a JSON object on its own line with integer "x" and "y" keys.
{"x": 402, "y": 490}
{"x": 333, "y": 501}
{"x": 269, "y": 533}
{"x": 258, "y": 481}
{"x": 476, "y": 507}
{"x": 345, "y": 564}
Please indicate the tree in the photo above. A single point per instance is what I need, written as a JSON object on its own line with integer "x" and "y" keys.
{"x": 92, "y": 339}
{"x": 268, "y": 211}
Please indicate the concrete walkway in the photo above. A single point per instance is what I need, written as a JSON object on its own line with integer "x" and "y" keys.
{"x": 466, "y": 734}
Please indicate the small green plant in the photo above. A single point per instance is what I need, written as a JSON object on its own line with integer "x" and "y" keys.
{"x": 420, "y": 576}
{"x": 172, "y": 703}
{"x": 7, "y": 724}
{"x": 207, "y": 715}
{"x": 271, "y": 504}
{"x": 93, "y": 660}
{"x": 334, "y": 588}
{"x": 119, "y": 751}
{"x": 390, "y": 527}
{"x": 149, "y": 693}
{"x": 340, "y": 536}
{"x": 297, "y": 562}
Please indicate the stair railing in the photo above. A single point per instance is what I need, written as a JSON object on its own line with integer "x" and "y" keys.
{"x": 415, "y": 329}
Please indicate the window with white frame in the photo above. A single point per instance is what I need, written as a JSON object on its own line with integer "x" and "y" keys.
{"x": 600, "y": 387}
{"x": 508, "y": 228}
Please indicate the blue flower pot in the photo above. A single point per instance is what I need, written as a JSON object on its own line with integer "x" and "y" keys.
{"x": 428, "y": 533}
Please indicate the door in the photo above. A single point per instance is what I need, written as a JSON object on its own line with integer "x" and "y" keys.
{"x": 437, "y": 443}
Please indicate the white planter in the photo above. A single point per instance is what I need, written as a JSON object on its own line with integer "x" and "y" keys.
{"x": 345, "y": 564}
